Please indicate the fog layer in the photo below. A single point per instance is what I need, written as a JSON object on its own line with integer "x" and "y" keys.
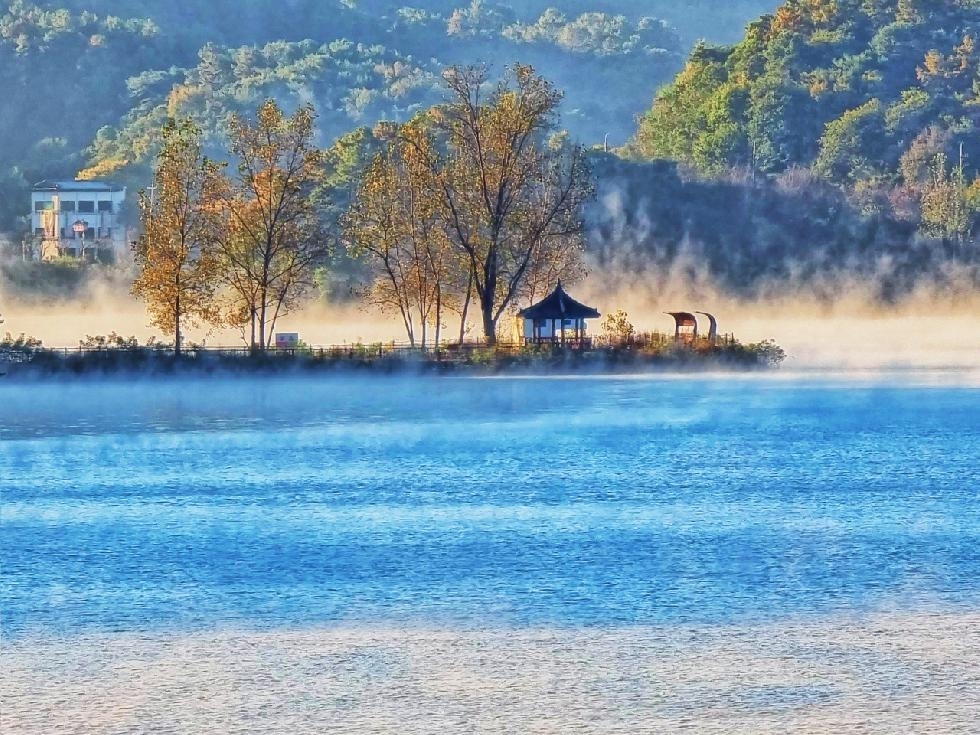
{"x": 928, "y": 329}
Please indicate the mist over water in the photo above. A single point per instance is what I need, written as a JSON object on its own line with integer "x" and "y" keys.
{"x": 928, "y": 330}
{"x": 725, "y": 553}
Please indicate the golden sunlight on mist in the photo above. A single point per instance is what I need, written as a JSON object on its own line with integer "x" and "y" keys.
{"x": 925, "y": 331}
{"x": 64, "y": 324}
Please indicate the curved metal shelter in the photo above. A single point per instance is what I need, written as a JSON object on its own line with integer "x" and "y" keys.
{"x": 685, "y": 325}
{"x": 712, "y": 326}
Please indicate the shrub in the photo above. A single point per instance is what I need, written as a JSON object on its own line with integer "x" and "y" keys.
{"x": 767, "y": 353}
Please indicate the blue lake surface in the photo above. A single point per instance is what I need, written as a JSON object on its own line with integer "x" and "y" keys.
{"x": 173, "y": 505}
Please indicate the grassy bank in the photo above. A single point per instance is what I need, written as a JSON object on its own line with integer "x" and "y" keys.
{"x": 25, "y": 357}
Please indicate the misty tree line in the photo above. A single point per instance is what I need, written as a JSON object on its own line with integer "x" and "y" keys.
{"x": 473, "y": 204}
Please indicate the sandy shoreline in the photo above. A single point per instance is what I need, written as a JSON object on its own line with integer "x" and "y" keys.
{"x": 882, "y": 673}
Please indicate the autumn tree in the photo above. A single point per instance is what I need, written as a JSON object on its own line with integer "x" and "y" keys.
{"x": 945, "y": 211}
{"x": 396, "y": 222}
{"x": 617, "y": 328}
{"x": 177, "y": 253}
{"x": 274, "y": 238}
{"x": 476, "y": 198}
{"x": 504, "y": 193}
{"x": 550, "y": 263}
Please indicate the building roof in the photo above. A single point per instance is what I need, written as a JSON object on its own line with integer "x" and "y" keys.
{"x": 71, "y": 185}
{"x": 558, "y": 305}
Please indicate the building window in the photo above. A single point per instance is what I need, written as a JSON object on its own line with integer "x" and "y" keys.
{"x": 539, "y": 323}
{"x": 68, "y": 206}
{"x": 41, "y": 206}
{"x": 105, "y": 206}
{"x": 86, "y": 206}
{"x": 39, "y": 231}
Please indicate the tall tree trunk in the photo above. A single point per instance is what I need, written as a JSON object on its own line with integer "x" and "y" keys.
{"x": 438, "y": 316}
{"x": 262, "y": 306}
{"x": 489, "y": 326}
{"x": 177, "y": 319}
{"x": 409, "y": 326}
{"x": 466, "y": 308}
{"x": 486, "y": 301}
{"x": 275, "y": 314}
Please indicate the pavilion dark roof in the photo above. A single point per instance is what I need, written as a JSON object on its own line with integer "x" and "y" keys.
{"x": 558, "y": 305}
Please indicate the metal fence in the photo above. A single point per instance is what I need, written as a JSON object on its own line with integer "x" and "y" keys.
{"x": 355, "y": 351}
{"x": 125, "y": 351}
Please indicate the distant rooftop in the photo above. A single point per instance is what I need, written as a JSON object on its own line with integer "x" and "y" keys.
{"x": 71, "y": 185}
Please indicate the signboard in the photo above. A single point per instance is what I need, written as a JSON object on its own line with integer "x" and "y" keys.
{"x": 287, "y": 340}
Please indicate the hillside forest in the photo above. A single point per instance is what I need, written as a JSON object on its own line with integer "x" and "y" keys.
{"x": 796, "y": 146}
{"x": 854, "y": 125}
{"x": 88, "y": 83}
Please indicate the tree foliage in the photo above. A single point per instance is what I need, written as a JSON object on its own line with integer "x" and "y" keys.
{"x": 395, "y": 220}
{"x": 93, "y": 79}
{"x": 176, "y": 256}
{"x": 492, "y": 200}
{"x": 617, "y": 328}
{"x": 506, "y": 194}
{"x": 87, "y": 84}
{"x": 51, "y": 111}
{"x": 845, "y": 87}
{"x": 274, "y": 239}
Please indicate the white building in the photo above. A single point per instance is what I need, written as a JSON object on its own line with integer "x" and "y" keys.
{"x": 78, "y": 218}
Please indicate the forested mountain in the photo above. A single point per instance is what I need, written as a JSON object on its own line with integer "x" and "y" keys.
{"x": 832, "y": 136}
{"x": 62, "y": 76}
{"x": 877, "y": 96}
{"x": 838, "y": 137}
{"x": 231, "y": 23}
{"x": 77, "y": 71}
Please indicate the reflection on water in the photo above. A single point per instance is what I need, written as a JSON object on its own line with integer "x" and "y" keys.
{"x": 723, "y": 554}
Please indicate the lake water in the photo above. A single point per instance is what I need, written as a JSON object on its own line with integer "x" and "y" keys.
{"x": 748, "y": 553}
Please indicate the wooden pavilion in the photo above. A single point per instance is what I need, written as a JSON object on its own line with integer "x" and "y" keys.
{"x": 556, "y": 319}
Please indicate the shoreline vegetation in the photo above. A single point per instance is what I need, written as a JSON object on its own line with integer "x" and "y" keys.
{"x": 25, "y": 357}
